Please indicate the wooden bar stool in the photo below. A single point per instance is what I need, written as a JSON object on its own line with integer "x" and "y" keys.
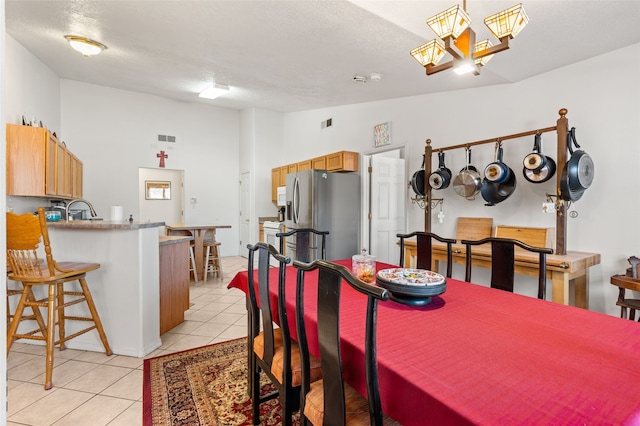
{"x": 25, "y": 233}
{"x": 192, "y": 261}
{"x": 212, "y": 259}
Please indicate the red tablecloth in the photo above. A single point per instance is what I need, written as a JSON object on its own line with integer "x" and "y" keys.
{"x": 477, "y": 355}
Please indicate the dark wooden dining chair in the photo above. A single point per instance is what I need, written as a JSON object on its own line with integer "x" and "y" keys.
{"x": 503, "y": 262}
{"x": 271, "y": 349}
{"x": 624, "y": 283}
{"x": 424, "y": 246}
{"x": 27, "y": 235}
{"x": 330, "y": 400}
{"x": 303, "y": 238}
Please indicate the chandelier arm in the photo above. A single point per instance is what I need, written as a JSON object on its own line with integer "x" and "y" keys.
{"x": 449, "y": 46}
{"x": 504, "y": 45}
{"x": 432, "y": 69}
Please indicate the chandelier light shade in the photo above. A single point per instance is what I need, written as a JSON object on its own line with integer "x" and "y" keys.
{"x": 214, "y": 91}
{"x": 508, "y": 22}
{"x": 479, "y": 47}
{"x": 85, "y": 46}
{"x": 458, "y": 39}
{"x": 429, "y": 53}
{"x": 452, "y": 22}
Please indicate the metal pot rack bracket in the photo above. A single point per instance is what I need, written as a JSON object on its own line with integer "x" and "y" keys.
{"x": 561, "y": 128}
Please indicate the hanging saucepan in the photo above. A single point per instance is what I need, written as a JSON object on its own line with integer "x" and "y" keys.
{"x": 538, "y": 167}
{"x": 577, "y": 175}
{"x": 497, "y": 171}
{"x": 467, "y": 182}
{"x": 495, "y": 192}
{"x": 441, "y": 178}
{"x": 417, "y": 180}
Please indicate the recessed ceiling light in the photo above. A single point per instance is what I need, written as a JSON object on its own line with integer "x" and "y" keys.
{"x": 85, "y": 46}
{"x": 214, "y": 91}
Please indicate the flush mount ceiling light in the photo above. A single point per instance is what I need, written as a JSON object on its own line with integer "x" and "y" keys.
{"x": 459, "y": 40}
{"x": 214, "y": 91}
{"x": 85, "y": 46}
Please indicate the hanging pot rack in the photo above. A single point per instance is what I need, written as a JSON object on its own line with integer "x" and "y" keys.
{"x": 561, "y": 128}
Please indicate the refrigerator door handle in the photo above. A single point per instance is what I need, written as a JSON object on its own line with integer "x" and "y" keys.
{"x": 296, "y": 200}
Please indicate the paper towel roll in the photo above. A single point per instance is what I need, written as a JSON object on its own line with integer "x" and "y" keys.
{"x": 117, "y": 213}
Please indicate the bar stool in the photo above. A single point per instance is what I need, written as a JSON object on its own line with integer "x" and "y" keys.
{"x": 212, "y": 259}
{"x": 192, "y": 262}
{"x": 25, "y": 233}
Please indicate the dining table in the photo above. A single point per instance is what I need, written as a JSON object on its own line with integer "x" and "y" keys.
{"x": 477, "y": 355}
{"x": 198, "y": 232}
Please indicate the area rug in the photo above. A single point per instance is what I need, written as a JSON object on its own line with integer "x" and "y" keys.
{"x": 206, "y": 386}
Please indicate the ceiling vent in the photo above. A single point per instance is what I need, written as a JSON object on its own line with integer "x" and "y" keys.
{"x": 166, "y": 138}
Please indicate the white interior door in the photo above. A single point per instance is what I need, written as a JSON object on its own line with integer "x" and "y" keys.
{"x": 245, "y": 212}
{"x": 387, "y": 206}
{"x": 161, "y": 210}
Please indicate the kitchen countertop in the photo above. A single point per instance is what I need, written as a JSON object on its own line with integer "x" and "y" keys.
{"x": 268, "y": 218}
{"x": 173, "y": 239}
{"x": 102, "y": 224}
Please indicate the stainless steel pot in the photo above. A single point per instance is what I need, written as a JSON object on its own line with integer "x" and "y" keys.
{"x": 467, "y": 183}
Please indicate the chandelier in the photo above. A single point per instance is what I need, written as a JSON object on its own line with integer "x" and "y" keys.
{"x": 459, "y": 40}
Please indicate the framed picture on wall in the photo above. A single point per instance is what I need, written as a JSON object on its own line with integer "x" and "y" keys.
{"x": 157, "y": 190}
{"x": 382, "y": 134}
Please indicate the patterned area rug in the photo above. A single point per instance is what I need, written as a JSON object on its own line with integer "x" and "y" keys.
{"x": 205, "y": 386}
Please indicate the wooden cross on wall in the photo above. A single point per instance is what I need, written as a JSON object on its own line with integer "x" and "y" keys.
{"x": 162, "y": 156}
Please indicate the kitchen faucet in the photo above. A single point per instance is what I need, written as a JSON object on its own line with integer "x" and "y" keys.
{"x": 80, "y": 200}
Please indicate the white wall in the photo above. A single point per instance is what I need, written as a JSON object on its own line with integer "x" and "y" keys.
{"x": 602, "y": 96}
{"x": 32, "y": 89}
{"x": 114, "y": 132}
{"x": 261, "y": 141}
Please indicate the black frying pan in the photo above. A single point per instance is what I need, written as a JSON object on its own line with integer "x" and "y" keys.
{"x": 417, "y": 181}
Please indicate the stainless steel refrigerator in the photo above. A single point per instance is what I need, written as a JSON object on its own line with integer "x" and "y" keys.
{"x": 326, "y": 202}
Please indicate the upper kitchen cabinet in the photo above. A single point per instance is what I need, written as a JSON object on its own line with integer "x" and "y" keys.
{"x": 38, "y": 165}
{"x": 342, "y": 161}
{"x": 304, "y": 165}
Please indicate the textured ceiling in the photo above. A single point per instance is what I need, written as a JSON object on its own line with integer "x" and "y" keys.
{"x": 299, "y": 55}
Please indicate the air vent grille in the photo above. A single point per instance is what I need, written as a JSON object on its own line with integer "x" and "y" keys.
{"x": 166, "y": 138}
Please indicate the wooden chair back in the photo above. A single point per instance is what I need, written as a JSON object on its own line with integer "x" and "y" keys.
{"x": 424, "y": 249}
{"x": 275, "y": 342}
{"x": 303, "y": 236}
{"x": 503, "y": 262}
{"x": 25, "y": 234}
{"x": 331, "y": 278}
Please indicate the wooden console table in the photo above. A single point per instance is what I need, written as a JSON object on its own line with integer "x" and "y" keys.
{"x": 564, "y": 270}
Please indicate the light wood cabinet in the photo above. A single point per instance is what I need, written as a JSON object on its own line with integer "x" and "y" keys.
{"x": 174, "y": 283}
{"x": 261, "y": 233}
{"x": 304, "y": 165}
{"x": 76, "y": 177}
{"x": 278, "y": 178}
{"x": 282, "y": 179}
{"x": 40, "y": 166}
{"x": 319, "y": 163}
{"x": 275, "y": 179}
{"x": 343, "y": 161}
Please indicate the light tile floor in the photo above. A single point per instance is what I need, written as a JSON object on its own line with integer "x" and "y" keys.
{"x": 92, "y": 389}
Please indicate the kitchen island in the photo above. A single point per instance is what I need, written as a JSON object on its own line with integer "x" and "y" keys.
{"x": 125, "y": 288}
